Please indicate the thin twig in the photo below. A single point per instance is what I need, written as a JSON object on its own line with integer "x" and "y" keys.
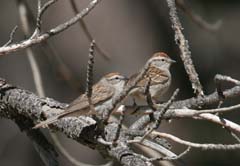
{"x": 120, "y": 125}
{"x": 149, "y": 99}
{"x": 168, "y": 104}
{"x": 148, "y": 95}
{"x": 11, "y": 36}
{"x": 161, "y": 114}
{"x": 44, "y": 8}
{"x": 218, "y": 83}
{"x": 39, "y": 21}
{"x": 87, "y": 32}
{"x": 217, "y": 110}
{"x": 44, "y": 36}
{"x": 172, "y": 158}
{"x": 235, "y": 136}
{"x": 184, "y": 49}
{"x": 89, "y": 80}
{"x": 155, "y": 146}
{"x": 41, "y": 10}
{"x": 198, "y": 145}
{"x": 223, "y": 78}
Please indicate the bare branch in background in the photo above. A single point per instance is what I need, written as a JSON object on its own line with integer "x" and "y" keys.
{"x": 197, "y": 18}
{"x": 184, "y": 49}
{"x": 61, "y": 70}
{"x": 46, "y": 35}
{"x": 85, "y": 29}
{"x": 41, "y": 10}
{"x": 11, "y": 36}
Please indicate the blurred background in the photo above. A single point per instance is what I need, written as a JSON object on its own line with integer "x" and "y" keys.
{"x": 129, "y": 32}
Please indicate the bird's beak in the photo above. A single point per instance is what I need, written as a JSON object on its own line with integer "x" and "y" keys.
{"x": 172, "y": 61}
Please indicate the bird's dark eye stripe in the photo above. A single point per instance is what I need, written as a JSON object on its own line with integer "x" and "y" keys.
{"x": 159, "y": 60}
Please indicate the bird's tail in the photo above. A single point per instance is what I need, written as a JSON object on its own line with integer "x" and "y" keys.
{"x": 47, "y": 122}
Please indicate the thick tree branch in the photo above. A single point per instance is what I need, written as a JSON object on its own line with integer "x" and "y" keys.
{"x": 16, "y": 102}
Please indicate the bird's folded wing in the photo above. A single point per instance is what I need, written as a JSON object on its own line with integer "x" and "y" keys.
{"x": 79, "y": 106}
{"x": 100, "y": 94}
{"x": 157, "y": 76}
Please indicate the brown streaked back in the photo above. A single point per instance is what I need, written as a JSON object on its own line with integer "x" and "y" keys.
{"x": 100, "y": 94}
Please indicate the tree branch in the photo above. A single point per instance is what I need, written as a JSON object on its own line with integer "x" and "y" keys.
{"x": 198, "y": 145}
{"x": 35, "y": 39}
{"x": 177, "y": 110}
{"x": 184, "y": 49}
{"x": 16, "y": 102}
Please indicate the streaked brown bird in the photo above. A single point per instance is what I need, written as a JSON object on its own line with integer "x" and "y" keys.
{"x": 103, "y": 91}
{"x": 160, "y": 78}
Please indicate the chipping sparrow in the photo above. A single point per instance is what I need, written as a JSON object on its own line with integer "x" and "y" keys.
{"x": 102, "y": 93}
{"x": 158, "y": 71}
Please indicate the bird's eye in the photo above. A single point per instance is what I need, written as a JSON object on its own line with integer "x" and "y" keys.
{"x": 163, "y": 60}
{"x": 117, "y": 78}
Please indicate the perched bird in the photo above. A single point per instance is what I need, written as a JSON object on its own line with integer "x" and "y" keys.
{"x": 160, "y": 78}
{"x": 103, "y": 91}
